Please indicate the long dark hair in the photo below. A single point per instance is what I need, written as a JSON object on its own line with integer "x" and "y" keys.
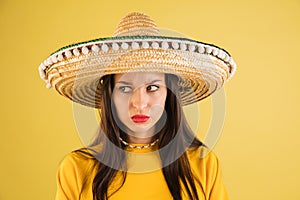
{"x": 174, "y": 138}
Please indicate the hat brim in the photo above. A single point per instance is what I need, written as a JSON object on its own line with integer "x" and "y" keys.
{"x": 74, "y": 71}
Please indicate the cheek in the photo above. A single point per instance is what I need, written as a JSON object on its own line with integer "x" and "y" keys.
{"x": 121, "y": 106}
{"x": 158, "y": 101}
{"x": 161, "y": 98}
{"x": 158, "y": 106}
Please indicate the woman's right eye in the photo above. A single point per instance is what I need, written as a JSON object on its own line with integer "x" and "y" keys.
{"x": 125, "y": 89}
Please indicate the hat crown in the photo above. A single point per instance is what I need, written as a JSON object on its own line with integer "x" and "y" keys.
{"x": 135, "y": 24}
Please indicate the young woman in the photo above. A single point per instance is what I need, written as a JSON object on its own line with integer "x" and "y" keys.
{"x": 139, "y": 81}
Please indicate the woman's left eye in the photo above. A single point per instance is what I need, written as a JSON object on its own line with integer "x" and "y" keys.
{"x": 152, "y": 88}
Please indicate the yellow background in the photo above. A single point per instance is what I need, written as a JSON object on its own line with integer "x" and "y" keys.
{"x": 260, "y": 144}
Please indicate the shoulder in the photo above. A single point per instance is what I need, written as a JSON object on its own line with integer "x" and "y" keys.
{"x": 205, "y": 160}
{"x": 206, "y": 167}
{"x": 77, "y": 164}
{"x": 204, "y": 163}
{"x": 73, "y": 174}
{"x": 202, "y": 154}
{"x": 78, "y": 159}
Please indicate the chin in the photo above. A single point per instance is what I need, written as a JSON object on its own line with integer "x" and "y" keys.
{"x": 138, "y": 129}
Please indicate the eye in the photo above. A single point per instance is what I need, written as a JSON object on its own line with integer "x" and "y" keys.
{"x": 125, "y": 89}
{"x": 152, "y": 88}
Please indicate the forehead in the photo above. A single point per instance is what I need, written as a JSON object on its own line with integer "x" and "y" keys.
{"x": 140, "y": 77}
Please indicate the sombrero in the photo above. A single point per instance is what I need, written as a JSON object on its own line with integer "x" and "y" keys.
{"x": 137, "y": 46}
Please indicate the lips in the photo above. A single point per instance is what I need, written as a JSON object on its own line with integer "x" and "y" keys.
{"x": 139, "y": 118}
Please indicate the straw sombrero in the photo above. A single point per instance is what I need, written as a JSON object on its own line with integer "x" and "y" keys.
{"x": 137, "y": 46}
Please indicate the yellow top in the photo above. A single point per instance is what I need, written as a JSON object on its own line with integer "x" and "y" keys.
{"x": 75, "y": 170}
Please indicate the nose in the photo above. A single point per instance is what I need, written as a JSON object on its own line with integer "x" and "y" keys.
{"x": 139, "y": 99}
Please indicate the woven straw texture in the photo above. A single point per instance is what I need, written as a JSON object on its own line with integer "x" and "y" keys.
{"x": 74, "y": 71}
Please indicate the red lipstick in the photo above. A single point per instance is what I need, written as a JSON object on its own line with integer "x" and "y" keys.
{"x": 139, "y": 118}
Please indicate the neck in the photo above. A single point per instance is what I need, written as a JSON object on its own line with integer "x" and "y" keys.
{"x": 141, "y": 137}
{"x": 138, "y": 140}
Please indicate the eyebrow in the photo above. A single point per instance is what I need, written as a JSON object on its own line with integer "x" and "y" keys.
{"x": 129, "y": 83}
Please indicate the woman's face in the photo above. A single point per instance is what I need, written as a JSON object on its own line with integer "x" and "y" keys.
{"x": 139, "y": 100}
